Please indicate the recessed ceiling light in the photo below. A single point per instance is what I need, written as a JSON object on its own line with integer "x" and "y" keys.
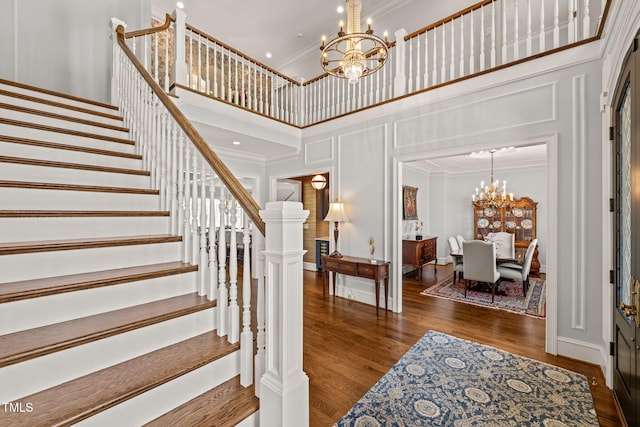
{"x": 340, "y": 9}
{"x": 236, "y": 142}
{"x": 269, "y": 55}
{"x": 180, "y": 5}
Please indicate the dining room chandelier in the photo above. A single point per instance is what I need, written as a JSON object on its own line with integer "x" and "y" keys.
{"x": 492, "y": 195}
{"x": 354, "y": 54}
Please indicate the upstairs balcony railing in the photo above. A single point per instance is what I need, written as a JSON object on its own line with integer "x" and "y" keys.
{"x": 489, "y": 35}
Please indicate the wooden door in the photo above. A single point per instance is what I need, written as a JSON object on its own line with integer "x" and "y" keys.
{"x": 626, "y": 156}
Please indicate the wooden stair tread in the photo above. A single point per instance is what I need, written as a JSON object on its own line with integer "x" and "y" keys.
{"x": 66, "y": 131}
{"x": 62, "y": 117}
{"x": 83, "y": 397}
{"x": 69, "y": 147}
{"x": 225, "y": 405}
{"x": 66, "y": 165}
{"x": 25, "y": 289}
{"x": 58, "y": 94}
{"x": 12, "y": 248}
{"x": 75, "y": 187}
{"x": 70, "y": 213}
{"x": 31, "y": 343}
{"x": 59, "y": 105}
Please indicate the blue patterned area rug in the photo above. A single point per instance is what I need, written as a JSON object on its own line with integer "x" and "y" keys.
{"x": 447, "y": 381}
{"x": 508, "y": 297}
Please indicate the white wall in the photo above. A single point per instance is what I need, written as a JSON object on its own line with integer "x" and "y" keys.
{"x": 64, "y": 45}
{"x": 453, "y": 212}
{"x": 559, "y": 106}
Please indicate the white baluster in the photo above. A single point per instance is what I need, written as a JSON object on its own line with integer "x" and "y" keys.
{"x": 434, "y": 74}
{"x": 199, "y": 69}
{"x": 472, "y": 53}
{"x": 452, "y": 66}
{"x": 260, "y": 322}
{"x": 203, "y": 267}
{"x": 235, "y": 81}
{"x": 229, "y": 96}
{"x": 174, "y": 179}
{"x": 410, "y": 82}
{"x": 425, "y": 78}
{"x": 190, "y": 71}
{"x": 223, "y": 293}
{"x": 234, "y": 310}
{"x": 482, "y": 39}
{"x": 571, "y": 28}
{"x": 418, "y": 63}
{"x": 556, "y": 25}
{"x": 542, "y": 29}
{"x": 181, "y": 202}
{"x": 195, "y": 244}
{"x": 504, "y": 32}
{"x": 586, "y": 21}
{"x": 216, "y": 83}
{"x": 207, "y": 80}
{"x": 461, "y": 46}
{"x": 443, "y": 71}
{"x": 186, "y": 234}
{"x": 212, "y": 292}
{"x": 516, "y": 33}
{"x": 529, "y": 36}
{"x": 246, "y": 338}
{"x": 493, "y": 35}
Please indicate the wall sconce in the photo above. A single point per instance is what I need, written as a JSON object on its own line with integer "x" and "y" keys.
{"x": 336, "y": 214}
{"x": 319, "y": 182}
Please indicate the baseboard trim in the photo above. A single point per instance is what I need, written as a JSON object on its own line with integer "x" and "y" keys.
{"x": 309, "y": 266}
{"x": 581, "y": 350}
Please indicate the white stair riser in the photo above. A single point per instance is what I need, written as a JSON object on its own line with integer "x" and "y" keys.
{"x": 57, "y": 263}
{"x": 61, "y": 123}
{"x": 59, "y": 99}
{"x": 23, "y": 379}
{"x": 62, "y": 138}
{"x": 154, "y": 403}
{"x": 20, "y": 198}
{"x": 34, "y": 229}
{"x": 45, "y": 153}
{"x": 60, "y": 110}
{"x": 33, "y": 313}
{"x": 57, "y": 175}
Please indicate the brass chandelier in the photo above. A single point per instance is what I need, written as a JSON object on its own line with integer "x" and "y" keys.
{"x": 354, "y": 54}
{"x": 492, "y": 195}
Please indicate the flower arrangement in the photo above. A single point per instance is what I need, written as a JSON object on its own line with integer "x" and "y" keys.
{"x": 419, "y": 225}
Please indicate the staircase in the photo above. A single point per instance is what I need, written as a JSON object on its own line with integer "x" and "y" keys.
{"x": 100, "y": 319}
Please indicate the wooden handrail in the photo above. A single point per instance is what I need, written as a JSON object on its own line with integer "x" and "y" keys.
{"x": 448, "y": 19}
{"x": 152, "y": 30}
{"x": 255, "y": 61}
{"x": 239, "y": 192}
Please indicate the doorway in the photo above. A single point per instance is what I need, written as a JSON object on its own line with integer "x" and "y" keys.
{"x": 626, "y": 229}
{"x": 550, "y": 175}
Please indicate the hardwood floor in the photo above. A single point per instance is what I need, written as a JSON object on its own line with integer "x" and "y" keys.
{"x": 347, "y": 349}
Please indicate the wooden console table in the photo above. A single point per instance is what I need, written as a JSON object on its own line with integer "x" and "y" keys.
{"x": 420, "y": 252}
{"x": 358, "y": 267}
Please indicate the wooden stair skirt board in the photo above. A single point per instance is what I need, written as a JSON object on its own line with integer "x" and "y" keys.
{"x": 107, "y": 327}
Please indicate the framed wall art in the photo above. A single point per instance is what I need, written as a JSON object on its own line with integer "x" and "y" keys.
{"x": 409, "y": 196}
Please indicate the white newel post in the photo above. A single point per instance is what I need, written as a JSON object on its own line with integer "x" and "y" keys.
{"x": 179, "y": 51}
{"x": 400, "y": 80}
{"x": 284, "y": 391}
{"x": 115, "y": 23}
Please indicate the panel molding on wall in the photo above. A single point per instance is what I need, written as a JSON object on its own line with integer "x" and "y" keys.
{"x": 319, "y": 151}
{"x": 533, "y": 105}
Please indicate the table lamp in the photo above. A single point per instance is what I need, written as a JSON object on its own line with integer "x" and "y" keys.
{"x": 336, "y": 214}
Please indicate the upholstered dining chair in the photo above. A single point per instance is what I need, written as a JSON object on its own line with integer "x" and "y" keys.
{"x": 505, "y": 245}
{"x": 480, "y": 264}
{"x": 459, "y": 239}
{"x": 457, "y": 261}
{"x": 520, "y": 272}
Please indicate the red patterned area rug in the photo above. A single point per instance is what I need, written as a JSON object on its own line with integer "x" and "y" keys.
{"x": 508, "y": 296}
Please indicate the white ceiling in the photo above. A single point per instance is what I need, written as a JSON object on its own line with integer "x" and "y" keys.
{"x": 292, "y": 29}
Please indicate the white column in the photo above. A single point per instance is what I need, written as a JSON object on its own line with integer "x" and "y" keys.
{"x": 179, "y": 47}
{"x": 115, "y": 70}
{"x": 400, "y": 80}
{"x": 284, "y": 393}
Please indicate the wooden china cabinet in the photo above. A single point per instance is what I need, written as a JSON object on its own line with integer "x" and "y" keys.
{"x": 519, "y": 219}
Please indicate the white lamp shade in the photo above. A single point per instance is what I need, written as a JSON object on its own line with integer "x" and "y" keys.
{"x": 336, "y": 213}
